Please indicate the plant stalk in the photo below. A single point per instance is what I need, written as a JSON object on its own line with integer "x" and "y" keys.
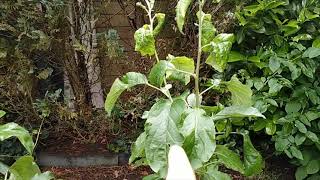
{"x": 196, "y": 81}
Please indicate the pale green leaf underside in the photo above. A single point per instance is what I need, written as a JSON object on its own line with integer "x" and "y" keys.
{"x": 229, "y": 158}
{"x": 238, "y": 112}
{"x": 181, "y": 11}
{"x": 199, "y": 132}
{"x": 161, "y": 131}
{"x": 14, "y": 130}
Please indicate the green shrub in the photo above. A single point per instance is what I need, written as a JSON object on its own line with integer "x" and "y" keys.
{"x": 279, "y": 46}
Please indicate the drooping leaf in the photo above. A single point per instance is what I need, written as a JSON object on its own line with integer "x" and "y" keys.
{"x": 229, "y": 158}
{"x": 137, "y": 149}
{"x": 43, "y": 176}
{"x": 24, "y": 168}
{"x": 161, "y": 130}
{"x": 199, "y": 132}
{"x": 14, "y": 130}
{"x": 129, "y": 80}
{"x": 181, "y": 63}
{"x": 2, "y": 113}
{"x": 221, "y": 46}
{"x": 181, "y": 11}
{"x": 158, "y": 73}
{"x": 238, "y": 112}
{"x": 240, "y": 93}
{"x": 253, "y": 161}
{"x": 208, "y": 31}
{"x": 160, "y": 19}
{"x": 144, "y": 41}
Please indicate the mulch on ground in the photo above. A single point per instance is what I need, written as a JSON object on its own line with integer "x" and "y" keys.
{"x": 125, "y": 172}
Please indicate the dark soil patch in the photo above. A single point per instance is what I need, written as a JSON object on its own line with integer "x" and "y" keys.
{"x": 125, "y": 172}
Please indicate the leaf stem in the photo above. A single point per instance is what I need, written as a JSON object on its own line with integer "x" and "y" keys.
{"x": 154, "y": 87}
{"x": 197, "y": 91}
{"x": 206, "y": 90}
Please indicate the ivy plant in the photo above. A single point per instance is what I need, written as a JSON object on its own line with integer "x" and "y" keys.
{"x": 183, "y": 120}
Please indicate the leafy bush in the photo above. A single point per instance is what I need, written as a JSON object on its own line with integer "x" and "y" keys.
{"x": 24, "y": 167}
{"x": 280, "y": 47}
{"x": 184, "y": 120}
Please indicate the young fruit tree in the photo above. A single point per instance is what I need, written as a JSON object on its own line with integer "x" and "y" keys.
{"x": 183, "y": 120}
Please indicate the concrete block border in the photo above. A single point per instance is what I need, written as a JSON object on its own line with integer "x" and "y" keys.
{"x": 63, "y": 160}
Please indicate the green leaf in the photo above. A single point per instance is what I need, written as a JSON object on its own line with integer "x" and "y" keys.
{"x": 235, "y": 56}
{"x": 160, "y": 19}
{"x": 181, "y": 63}
{"x": 259, "y": 124}
{"x": 14, "y": 130}
{"x": 313, "y": 167}
{"x": 301, "y": 173}
{"x": 199, "y": 132}
{"x": 208, "y": 31}
{"x": 158, "y": 73}
{"x": 253, "y": 161}
{"x": 301, "y": 127}
{"x": 2, "y": 113}
{"x": 24, "y": 168}
{"x": 129, "y": 80}
{"x": 4, "y": 168}
{"x": 221, "y": 46}
{"x": 229, "y": 158}
{"x": 181, "y": 11}
{"x": 281, "y": 144}
{"x": 299, "y": 139}
{"x": 311, "y": 52}
{"x": 152, "y": 177}
{"x": 296, "y": 152}
{"x": 238, "y": 112}
{"x": 316, "y": 43}
{"x": 214, "y": 174}
{"x": 302, "y": 37}
{"x": 43, "y": 176}
{"x": 293, "y": 107}
{"x": 161, "y": 130}
{"x": 137, "y": 149}
{"x": 274, "y": 86}
{"x": 274, "y": 64}
{"x": 271, "y": 128}
{"x": 240, "y": 93}
{"x": 312, "y": 136}
{"x": 144, "y": 41}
